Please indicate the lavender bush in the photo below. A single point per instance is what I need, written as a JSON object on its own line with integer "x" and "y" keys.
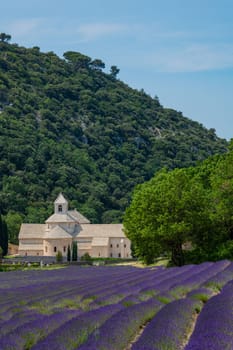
{"x": 79, "y": 307}
{"x": 169, "y": 328}
{"x": 77, "y": 330}
{"x": 117, "y": 331}
{"x": 214, "y": 325}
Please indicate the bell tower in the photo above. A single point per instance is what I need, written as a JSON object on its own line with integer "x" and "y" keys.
{"x": 60, "y": 205}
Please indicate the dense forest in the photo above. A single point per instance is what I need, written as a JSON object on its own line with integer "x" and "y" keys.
{"x": 190, "y": 205}
{"x": 68, "y": 125}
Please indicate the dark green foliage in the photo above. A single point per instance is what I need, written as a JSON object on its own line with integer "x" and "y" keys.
{"x": 5, "y": 37}
{"x": 3, "y": 236}
{"x": 86, "y": 257}
{"x": 65, "y": 125}
{"x": 13, "y": 221}
{"x": 59, "y": 257}
{"x": 74, "y": 251}
{"x": 68, "y": 253}
{"x": 191, "y": 205}
{"x": 163, "y": 214}
{"x": 114, "y": 71}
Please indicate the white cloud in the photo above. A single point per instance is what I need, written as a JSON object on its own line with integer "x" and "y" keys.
{"x": 25, "y": 27}
{"x": 94, "y": 31}
{"x": 191, "y": 58}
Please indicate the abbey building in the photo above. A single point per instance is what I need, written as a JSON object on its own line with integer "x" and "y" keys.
{"x": 65, "y": 226}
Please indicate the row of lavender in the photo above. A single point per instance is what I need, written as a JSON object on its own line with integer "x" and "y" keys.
{"x": 104, "y": 307}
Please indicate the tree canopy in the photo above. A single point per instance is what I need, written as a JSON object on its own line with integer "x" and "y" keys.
{"x": 191, "y": 205}
{"x": 5, "y": 37}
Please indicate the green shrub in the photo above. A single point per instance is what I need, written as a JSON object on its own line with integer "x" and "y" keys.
{"x": 86, "y": 257}
{"x": 59, "y": 257}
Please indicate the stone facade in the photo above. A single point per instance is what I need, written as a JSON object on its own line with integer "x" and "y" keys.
{"x": 65, "y": 226}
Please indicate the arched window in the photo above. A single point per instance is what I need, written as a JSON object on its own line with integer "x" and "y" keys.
{"x": 60, "y": 208}
{"x": 119, "y": 255}
{"x": 55, "y": 249}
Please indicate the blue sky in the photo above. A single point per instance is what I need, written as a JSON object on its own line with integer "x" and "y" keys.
{"x": 178, "y": 50}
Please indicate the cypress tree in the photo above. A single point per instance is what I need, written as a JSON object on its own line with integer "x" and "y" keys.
{"x": 74, "y": 251}
{"x": 68, "y": 253}
{"x": 3, "y": 236}
{"x": 1, "y": 233}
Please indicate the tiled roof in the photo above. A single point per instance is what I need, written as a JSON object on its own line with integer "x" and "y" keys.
{"x": 101, "y": 230}
{"x": 57, "y": 233}
{"x": 61, "y": 199}
{"x": 60, "y": 218}
{"x": 32, "y": 231}
{"x": 79, "y": 217}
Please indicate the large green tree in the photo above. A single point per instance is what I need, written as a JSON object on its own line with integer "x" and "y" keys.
{"x": 221, "y": 180}
{"x": 165, "y": 213}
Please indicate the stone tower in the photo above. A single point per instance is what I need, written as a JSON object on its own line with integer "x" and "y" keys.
{"x": 60, "y": 205}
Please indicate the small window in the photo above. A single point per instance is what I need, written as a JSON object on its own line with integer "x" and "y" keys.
{"x": 64, "y": 249}
{"x": 119, "y": 255}
{"x": 111, "y": 255}
{"x": 99, "y": 254}
{"x": 117, "y": 245}
{"x": 46, "y": 249}
{"x": 110, "y": 245}
{"x": 60, "y": 208}
{"x": 37, "y": 253}
{"x": 55, "y": 249}
{"x": 124, "y": 245}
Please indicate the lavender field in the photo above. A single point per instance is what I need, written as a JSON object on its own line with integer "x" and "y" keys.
{"x": 118, "y": 307}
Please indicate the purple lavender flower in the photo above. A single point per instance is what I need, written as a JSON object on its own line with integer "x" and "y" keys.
{"x": 116, "y": 332}
{"x": 168, "y": 328}
{"x": 45, "y": 307}
{"x": 213, "y": 328}
{"x": 75, "y": 332}
{"x": 26, "y": 335}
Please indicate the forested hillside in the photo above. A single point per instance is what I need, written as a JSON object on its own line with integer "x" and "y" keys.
{"x": 66, "y": 125}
